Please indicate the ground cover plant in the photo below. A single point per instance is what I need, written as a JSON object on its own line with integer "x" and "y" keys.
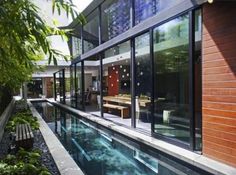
{"x": 23, "y": 117}
{"x": 23, "y": 163}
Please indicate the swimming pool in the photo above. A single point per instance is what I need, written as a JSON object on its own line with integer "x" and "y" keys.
{"x": 100, "y": 151}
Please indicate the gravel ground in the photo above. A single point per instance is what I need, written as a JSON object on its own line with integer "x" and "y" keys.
{"x": 39, "y": 143}
{"x": 46, "y": 158}
{"x": 4, "y": 144}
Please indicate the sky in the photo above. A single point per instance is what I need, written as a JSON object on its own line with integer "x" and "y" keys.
{"x": 46, "y": 13}
{"x": 82, "y": 4}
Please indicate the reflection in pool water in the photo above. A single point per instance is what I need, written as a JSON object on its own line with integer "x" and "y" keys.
{"x": 101, "y": 152}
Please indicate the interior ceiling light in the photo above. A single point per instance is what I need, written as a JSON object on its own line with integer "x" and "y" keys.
{"x": 210, "y": 1}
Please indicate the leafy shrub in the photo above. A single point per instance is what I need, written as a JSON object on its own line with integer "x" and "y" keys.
{"x": 23, "y": 163}
{"x": 24, "y": 117}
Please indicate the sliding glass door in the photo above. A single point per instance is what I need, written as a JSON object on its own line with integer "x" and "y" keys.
{"x": 143, "y": 82}
{"x": 92, "y": 97}
{"x": 116, "y": 84}
{"x": 171, "y": 79}
{"x": 164, "y": 74}
{"x": 78, "y": 87}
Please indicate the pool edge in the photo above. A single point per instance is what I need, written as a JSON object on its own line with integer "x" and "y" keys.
{"x": 194, "y": 159}
{"x": 64, "y": 162}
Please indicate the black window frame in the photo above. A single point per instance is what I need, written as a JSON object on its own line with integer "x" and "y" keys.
{"x": 110, "y": 44}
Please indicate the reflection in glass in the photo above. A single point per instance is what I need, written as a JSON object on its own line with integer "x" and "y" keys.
{"x": 35, "y": 88}
{"x": 67, "y": 86}
{"x": 76, "y": 46}
{"x": 57, "y": 87}
{"x": 72, "y": 86}
{"x": 101, "y": 152}
{"x": 198, "y": 80}
{"x": 171, "y": 79}
{"x": 117, "y": 84}
{"x": 92, "y": 85}
{"x": 143, "y": 82}
{"x": 90, "y": 31}
{"x": 78, "y": 86}
{"x": 61, "y": 86}
{"x": 147, "y": 8}
{"x": 115, "y": 18}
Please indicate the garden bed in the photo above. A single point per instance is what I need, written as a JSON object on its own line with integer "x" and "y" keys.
{"x": 45, "y": 163}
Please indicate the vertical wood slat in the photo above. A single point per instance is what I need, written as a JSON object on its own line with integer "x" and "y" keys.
{"x": 24, "y": 136}
{"x": 20, "y": 132}
{"x": 23, "y": 132}
{"x": 30, "y": 132}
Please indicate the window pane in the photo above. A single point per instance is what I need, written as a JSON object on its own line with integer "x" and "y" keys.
{"x": 92, "y": 85}
{"x": 198, "y": 80}
{"x": 117, "y": 84}
{"x": 115, "y": 18}
{"x": 171, "y": 79}
{"x": 76, "y": 47}
{"x": 61, "y": 86}
{"x": 143, "y": 82}
{"x": 90, "y": 31}
{"x": 67, "y": 86}
{"x": 78, "y": 86}
{"x": 72, "y": 86}
{"x": 57, "y": 87}
{"x": 147, "y": 8}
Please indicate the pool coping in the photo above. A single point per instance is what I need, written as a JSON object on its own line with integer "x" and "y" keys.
{"x": 194, "y": 159}
{"x": 64, "y": 162}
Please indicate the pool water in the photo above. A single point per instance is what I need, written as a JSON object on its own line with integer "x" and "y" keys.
{"x": 98, "y": 151}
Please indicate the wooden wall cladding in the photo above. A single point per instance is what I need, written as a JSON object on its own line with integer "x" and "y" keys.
{"x": 219, "y": 81}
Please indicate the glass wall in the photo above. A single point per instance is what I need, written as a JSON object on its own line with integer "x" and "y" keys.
{"x": 56, "y": 87}
{"x": 62, "y": 86}
{"x": 90, "y": 31}
{"x": 92, "y": 97}
{"x": 78, "y": 86}
{"x": 143, "y": 85}
{"x": 67, "y": 86}
{"x": 147, "y": 8}
{"x": 72, "y": 86}
{"x": 115, "y": 18}
{"x": 76, "y": 47}
{"x": 198, "y": 80}
{"x": 59, "y": 91}
{"x": 116, "y": 84}
{"x": 162, "y": 77}
{"x": 35, "y": 88}
{"x": 171, "y": 79}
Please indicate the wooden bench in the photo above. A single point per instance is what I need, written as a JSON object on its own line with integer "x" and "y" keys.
{"x": 24, "y": 136}
{"x": 123, "y": 110}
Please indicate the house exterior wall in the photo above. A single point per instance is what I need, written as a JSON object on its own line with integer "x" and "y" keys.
{"x": 219, "y": 82}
